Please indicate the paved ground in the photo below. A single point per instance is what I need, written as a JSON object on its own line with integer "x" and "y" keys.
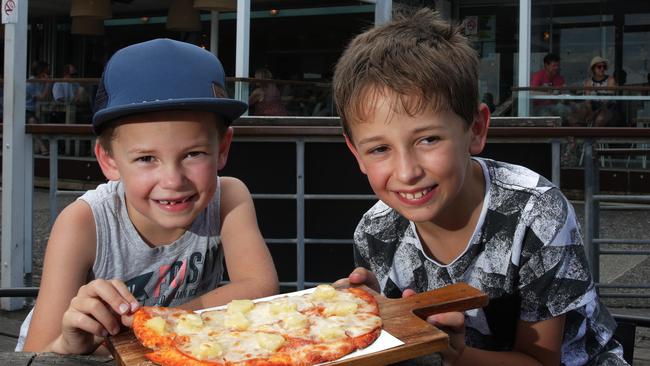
{"x": 629, "y": 269}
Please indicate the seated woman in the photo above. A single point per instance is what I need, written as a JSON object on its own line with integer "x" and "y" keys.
{"x": 603, "y": 112}
{"x": 265, "y": 99}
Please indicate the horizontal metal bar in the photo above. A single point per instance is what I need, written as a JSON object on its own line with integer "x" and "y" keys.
{"x": 620, "y": 285}
{"x": 295, "y": 284}
{"x": 309, "y": 241}
{"x": 340, "y": 197}
{"x": 274, "y": 196}
{"x": 626, "y": 252}
{"x": 281, "y": 241}
{"x": 639, "y": 321}
{"x": 329, "y": 241}
{"x": 621, "y": 241}
{"x": 635, "y": 207}
{"x": 286, "y": 196}
{"x": 18, "y": 291}
{"x": 625, "y": 296}
{"x": 70, "y": 193}
{"x": 621, "y": 198}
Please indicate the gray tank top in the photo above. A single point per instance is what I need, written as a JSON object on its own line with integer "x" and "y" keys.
{"x": 168, "y": 275}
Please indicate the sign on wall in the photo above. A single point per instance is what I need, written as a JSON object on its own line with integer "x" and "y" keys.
{"x": 9, "y": 11}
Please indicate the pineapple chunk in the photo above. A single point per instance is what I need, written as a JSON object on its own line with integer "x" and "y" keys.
{"x": 237, "y": 321}
{"x": 283, "y": 307}
{"x": 157, "y": 324}
{"x": 331, "y": 332}
{"x": 240, "y": 306}
{"x": 324, "y": 292}
{"x": 340, "y": 308}
{"x": 189, "y": 324}
{"x": 270, "y": 341}
{"x": 208, "y": 350}
{"x": 295, "y": 321}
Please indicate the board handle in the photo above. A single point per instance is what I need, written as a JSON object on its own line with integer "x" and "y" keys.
{"x": 456, "y": 297}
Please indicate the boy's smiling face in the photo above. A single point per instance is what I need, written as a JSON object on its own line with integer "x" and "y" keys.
{"x": 168, "y": 162}
{"x": 419, "y": 165}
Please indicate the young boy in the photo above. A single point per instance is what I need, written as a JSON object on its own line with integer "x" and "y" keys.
{"x": 407, "y": 94}
{"x": 158, "y": 231}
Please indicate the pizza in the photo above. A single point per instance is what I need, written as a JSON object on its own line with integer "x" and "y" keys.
{"x": 307, "y": 329}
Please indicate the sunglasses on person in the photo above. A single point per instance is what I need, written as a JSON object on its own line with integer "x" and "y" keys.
{"x": 601, "y": 66}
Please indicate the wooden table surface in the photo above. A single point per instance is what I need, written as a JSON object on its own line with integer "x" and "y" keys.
{"x": 43, "y": 359}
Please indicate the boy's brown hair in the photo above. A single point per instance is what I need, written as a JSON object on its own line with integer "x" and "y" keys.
{"x": 420, "y": 59}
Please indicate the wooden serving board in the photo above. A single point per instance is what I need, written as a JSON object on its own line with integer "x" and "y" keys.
{"x": 403, "y": 318}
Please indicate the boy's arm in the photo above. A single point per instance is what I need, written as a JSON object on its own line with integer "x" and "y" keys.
{"x": 537, "y": 343}
{"x": 250, "y": 266}
{"x": 68, "y": 257}
{"x": 67, "y": 310}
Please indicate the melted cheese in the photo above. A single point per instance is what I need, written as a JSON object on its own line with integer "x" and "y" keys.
{"x": 214, "y": 319}
{"x": 240, "y": 306}
{"x": 236, "y": 321}
{"x": 208, "y": 350}
{"x": 295, "y": 321}
{"x": 340, "y": 308}
{"x": 157, "y": 324}
{"x": 324, "y": 292}
{"x": 281, "y": 307}
{"x": 189, "y": 324}
{"x": 270, "y": 341}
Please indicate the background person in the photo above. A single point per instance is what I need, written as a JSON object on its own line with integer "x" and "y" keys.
{"x": 444, "y": 216}
{"x": 266, "y": 98}
{"x": 549, "y": 75}
{"x": 159, "y": 231}
{"x": 68, "y": 93}
{"x": 602, "y": 112}
{"x": 65, "y": 91}
{"x": 35, "y": 93}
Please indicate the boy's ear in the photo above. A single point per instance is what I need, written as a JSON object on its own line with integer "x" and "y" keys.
{"x": 224, "y": 148}
{"x": 479, "y": 129}
{"x": 355, "y": 153}
{"x": 106, "y": 163}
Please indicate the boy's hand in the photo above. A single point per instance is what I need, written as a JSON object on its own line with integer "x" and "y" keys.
{"x": 99, "y": 309}
{"x": 452, "y": 323}
{"x": 360, "y": 276}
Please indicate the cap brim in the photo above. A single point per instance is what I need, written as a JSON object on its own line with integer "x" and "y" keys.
{"x": 228, "y": 109}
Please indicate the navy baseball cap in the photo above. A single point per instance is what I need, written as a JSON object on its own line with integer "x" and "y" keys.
{"x": 163, "y": 74}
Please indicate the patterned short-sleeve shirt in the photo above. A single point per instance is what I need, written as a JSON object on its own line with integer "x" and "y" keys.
{"x": 526, "y": 253}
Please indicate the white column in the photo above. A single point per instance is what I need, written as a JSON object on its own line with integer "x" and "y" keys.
{"x": 14, "y": 156}
{"x": 383, "y": 11}
{"x": 524, "y": 57}
{"x": 214, "y": 33}
{"x": 242, "y": 48}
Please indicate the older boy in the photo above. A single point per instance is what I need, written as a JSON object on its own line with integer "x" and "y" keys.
{"x": 158, "y": 232}
{"x": 407, "y": 95}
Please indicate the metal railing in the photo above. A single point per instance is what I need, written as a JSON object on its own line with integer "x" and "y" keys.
{"x": 302, "y": 131}
{"x": 593, "y": 199}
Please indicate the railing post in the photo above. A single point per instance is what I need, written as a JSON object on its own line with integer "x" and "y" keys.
{"x": 54, "y": 177}
{"x": 555, "y": 162}
{"x": 590, "y": 216}
{"x": 29, "y": 211}
{"x": 300, "y": 213}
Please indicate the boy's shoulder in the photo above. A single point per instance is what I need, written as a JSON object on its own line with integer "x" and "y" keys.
{"x": 108, "y": 190}
{"x": 516, "y": 191}
{"x": 515, "y": 177}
